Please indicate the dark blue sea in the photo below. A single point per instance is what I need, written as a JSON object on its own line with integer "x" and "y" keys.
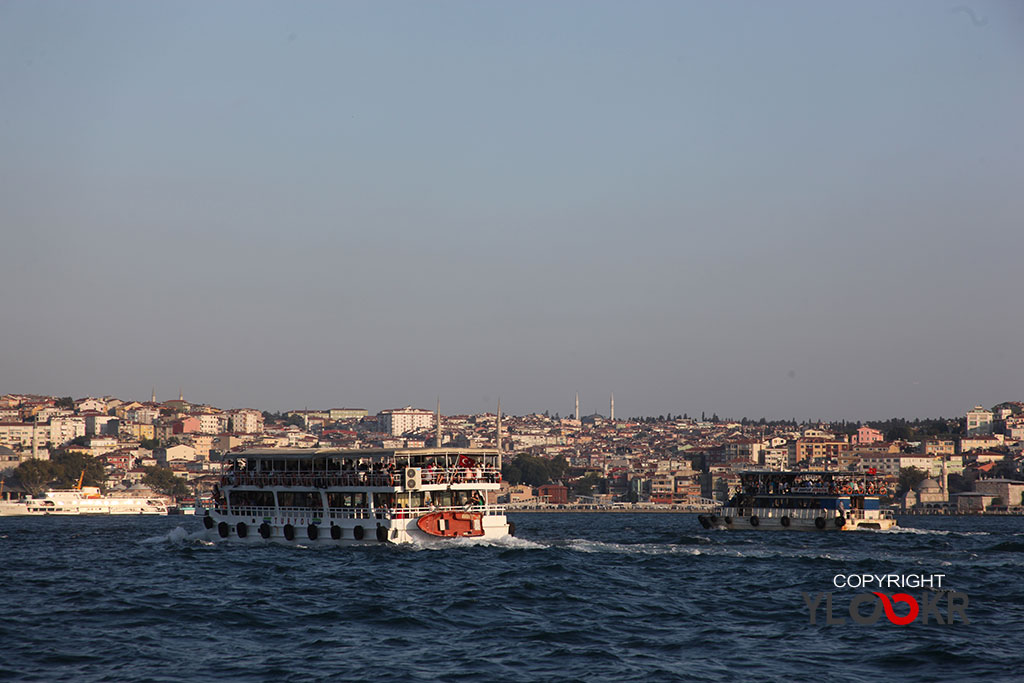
{"x": 575, "y": 597}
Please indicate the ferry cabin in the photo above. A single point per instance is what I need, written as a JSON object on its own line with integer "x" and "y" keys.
{"x": 346, "y": 496}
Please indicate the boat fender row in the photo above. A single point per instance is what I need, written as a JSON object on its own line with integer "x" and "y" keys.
{"x": 358, "y": 532}
{"x": 265, "y": 530}
{"x": 382, "y": 533}
{"x": 704, "y": 521}
{"x": 784, "y": 521}
{"x": 840, "y": 522}
{"x": 335, "y": 532}
{"x": 242, "y": 529}
{"x": 754, "y": 521}
{"x": 511, "y": 528}
{"x": 819, "y": 522}
{"x": 208, "y": 522}
{"x": 312, "y": 532}
{"x": 289, "y": 532}
{"x": 223, "y": 529}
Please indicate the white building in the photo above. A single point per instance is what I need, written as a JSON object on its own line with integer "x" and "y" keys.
{"x": 246, "y": 421}
{"x": 212, "y": 423}
{"x": 979, "y": 421}
{"x": 401, "y": 420}
{"x": 66, "y": 428}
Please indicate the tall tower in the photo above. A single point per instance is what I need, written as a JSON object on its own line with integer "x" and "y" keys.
{"x": 498, "y": 430}
{"x": 612, "y": 410}
{"x": 945, "y": 480}
{"x": 438, "y": 420}
{"x": 153, "y": 399}
{"x": 577, "y": 405}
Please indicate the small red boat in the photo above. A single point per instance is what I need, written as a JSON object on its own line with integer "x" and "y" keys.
{"x": 452, "y": 524}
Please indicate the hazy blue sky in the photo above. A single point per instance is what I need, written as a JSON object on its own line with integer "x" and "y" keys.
{"x": 782, "y": 209}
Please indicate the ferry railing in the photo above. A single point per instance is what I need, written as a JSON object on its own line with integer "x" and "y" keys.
{"x": 325, "y": 479}
{"x": 252, "y": 511}
{"x": 406, "y": 513}
{"x": 348, "y": 513}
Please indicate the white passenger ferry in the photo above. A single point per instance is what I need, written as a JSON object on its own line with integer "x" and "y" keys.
{"x": 82, "y": 500}
{"x": 333, "y": 496}
{"x": 814, "y": 501}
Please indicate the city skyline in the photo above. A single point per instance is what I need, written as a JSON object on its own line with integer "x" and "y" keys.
{"x": 793, "y": 210}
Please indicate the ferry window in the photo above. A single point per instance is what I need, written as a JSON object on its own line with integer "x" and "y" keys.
{"x": 346, "y": 500}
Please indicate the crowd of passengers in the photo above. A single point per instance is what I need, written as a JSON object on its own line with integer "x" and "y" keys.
{"x": 781, "y": 486}
{"x": 365, "y": 474}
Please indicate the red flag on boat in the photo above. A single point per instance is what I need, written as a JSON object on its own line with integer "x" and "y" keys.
{"x": 466, "y": 461}
{"x": 872, "y": 470}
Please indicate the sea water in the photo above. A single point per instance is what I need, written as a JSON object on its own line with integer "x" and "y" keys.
{"x": 573, "y": 597}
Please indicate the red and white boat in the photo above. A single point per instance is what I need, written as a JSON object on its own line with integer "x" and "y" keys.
{"x": 341, "y": 497}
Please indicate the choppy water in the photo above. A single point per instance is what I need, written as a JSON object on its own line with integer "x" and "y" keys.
{"x": 586, "y": 597}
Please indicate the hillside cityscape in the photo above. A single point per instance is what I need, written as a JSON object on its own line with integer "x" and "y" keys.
{"x": 176, "y": 448}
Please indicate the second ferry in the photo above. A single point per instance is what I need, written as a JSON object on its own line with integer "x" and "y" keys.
{"x": 813, "y": 501}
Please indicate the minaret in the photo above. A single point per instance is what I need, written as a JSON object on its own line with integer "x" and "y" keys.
{"x": 577, "y": 405}
{"x": 181, "y": 396}
{"x": 945, "y": 480}
{"x": 612, "y": 411}
{"x": 498, "y": 431}
{"x": 438, "y": 420}
{"x": 153, "y": 399}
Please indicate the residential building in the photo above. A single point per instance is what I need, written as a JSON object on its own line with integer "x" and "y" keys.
{"x": 979, "y": 421}
{"x": 401, "y": 420}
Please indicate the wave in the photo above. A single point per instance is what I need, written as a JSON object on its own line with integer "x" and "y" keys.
{"x": 464, "y": 542}
{"x": 176, "y": 535}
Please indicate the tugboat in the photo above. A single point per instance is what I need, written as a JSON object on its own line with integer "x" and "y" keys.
{"x": 812, "y": 501}
{"x": 344, "y": 497}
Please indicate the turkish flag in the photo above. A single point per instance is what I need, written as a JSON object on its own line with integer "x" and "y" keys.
{"x": 466, "y": 461}
{"x": 872, "y": 470}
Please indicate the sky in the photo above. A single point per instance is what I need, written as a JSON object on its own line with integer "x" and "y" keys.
{"x": 788, "y": 210}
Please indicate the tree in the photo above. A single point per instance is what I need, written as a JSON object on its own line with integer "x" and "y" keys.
{"x": 65, "y": 402}
{"x": 163, "y": 480}
{"x": 34, "y": 475}
{"x": 70, "y": 465}
{"x": 911, "y": 477}
{"x": 585, "y": 485}
{"x": 150, "y": 444}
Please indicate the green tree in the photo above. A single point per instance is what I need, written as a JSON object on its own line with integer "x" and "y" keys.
{"x": 34, "y": 475}
{"x": 150, "y": 444}
{"x": 911, "y": 477}
{"x": 69, "y": 466}
{"x": 586, "y": 485}
{"x": 163, "y": 480}
{"x": 65, "y": 402}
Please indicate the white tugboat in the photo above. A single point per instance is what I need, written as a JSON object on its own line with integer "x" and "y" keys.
{"x": 813, "y": 501}
{"x": 340, "y": 497}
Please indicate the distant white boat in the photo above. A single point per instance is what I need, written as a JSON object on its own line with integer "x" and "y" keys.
{"x": 85, "y": 500}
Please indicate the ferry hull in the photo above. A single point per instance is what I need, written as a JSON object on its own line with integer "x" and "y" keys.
{"x": 316, "y": 531}
{"x": 783, "y": 522}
